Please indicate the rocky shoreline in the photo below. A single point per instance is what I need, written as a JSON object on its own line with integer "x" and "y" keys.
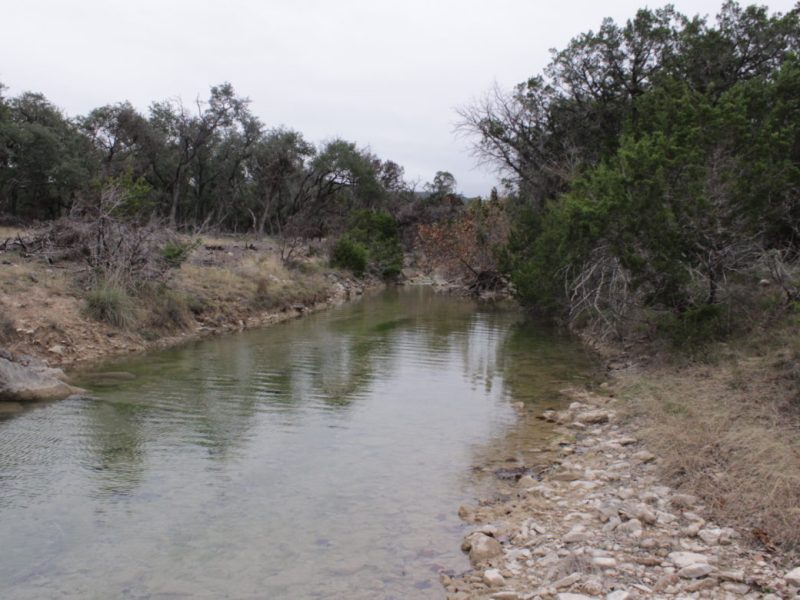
{"x": 598, "y": 523}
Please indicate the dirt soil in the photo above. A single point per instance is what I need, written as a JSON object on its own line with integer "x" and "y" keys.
{"x": 231, "y": 283}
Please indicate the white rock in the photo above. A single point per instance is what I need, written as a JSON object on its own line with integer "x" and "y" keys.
{"x": 592, "y": 417}
{"x": 644, "y": 514}
{"x": 695, "y": 571}
{"x": 684, "y": 559}
{"x": 644, "y": 456}
{"x": 612, "y": 524}
{"x": 710, "y": 535}
{"x": 618, "y": 595}
{"x": 567, "y": 581}
{"x": 740, "y": 589}
{"x": 737, "y": 576}
{"x": 576, "y": 534}
{"x": 483, "y": 547}
{"x": 568, "y": 596}
{"x": 606, "y": 562}
{"x": 632, "y": 527}
{"x": 793, "y": 577}
{"x": 505, "y": 596}
{"x": 493, "y": 578}
{"x": 727, "y": 535}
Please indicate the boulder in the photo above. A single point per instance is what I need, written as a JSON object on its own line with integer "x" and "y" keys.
{"x": 31, "y": 381}
{"x": 481, "y": 547}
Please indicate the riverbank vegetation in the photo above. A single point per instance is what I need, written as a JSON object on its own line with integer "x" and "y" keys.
{"x": 653, "y": 196}
{"x": 141, "y": 213}
{"x": 653, "y": 170}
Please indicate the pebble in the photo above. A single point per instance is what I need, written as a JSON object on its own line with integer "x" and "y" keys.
{"x": 695, "y": 571}
{"x": 493, "y": 578}
{"x": 600, "y": 525}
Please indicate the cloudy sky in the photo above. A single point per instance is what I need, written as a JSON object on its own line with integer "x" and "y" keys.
{"x": 387, "y": 74}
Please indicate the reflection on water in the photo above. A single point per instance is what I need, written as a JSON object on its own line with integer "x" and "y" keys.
{"x": 322, "y": 458}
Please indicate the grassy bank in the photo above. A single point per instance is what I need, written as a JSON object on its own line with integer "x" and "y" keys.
{"x": 726, "y": 428}
{"x": 56, "y": 307}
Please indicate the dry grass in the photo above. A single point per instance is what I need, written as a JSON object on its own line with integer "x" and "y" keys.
{"x": 257, "y": 281}
{"x": 10, "y": 233}
{"x": 8, "y": 327}
{"x": 728, "y": 432}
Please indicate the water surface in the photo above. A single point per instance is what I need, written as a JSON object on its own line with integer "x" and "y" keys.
{"x": 321, "y": 458}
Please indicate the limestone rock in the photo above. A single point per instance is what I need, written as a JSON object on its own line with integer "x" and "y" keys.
{"x": 684, "y": 559}
{"x": 483, "y": 547}
{"x": 793, "y": 577}
{"x": 592, "y": 417}
{"x": 695, "y": 571}
{"x": 493, "y": 578}
{"x": 710, "y": 535}
{"x": 605, "y": 562}
{"x": 32, "y": 382}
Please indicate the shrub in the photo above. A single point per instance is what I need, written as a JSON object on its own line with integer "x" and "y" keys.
{"x": 350, "y": 254}
{"x": 167, "y": 310}
{"x": 109, "y": 303}
{"x": 8, "y": 329}
{"x": 176, "y": 252}
{"x": 696, "y": 327}
{"x": 378, "y": 231}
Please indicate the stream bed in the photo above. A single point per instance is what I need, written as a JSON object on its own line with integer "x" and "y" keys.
{"x": 324, "y": 457}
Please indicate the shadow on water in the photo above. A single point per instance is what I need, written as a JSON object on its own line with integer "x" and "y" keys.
{"x": 324, "y": 457}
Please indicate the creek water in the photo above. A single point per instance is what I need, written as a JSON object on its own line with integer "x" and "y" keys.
{"x": 320, "y": 458}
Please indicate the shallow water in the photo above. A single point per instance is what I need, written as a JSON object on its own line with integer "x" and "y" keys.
{"x": 321, "y": 458}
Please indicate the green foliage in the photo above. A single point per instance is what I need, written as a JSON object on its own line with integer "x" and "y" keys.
{"x": 209, "y": 164}
{"x": 695, "y": 328}
{"x": 350, "y": 254}
{"x": 136, "y": 193}
{"x": 371, "y": 240}
{"x": 110, "y": 303}
{"x": 175, "y": 253}
{"x": 653, "y": 163}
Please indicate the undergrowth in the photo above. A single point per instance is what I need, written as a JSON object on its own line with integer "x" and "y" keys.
{"x": 726, "y": 429}
{"x": 109, "y": 302}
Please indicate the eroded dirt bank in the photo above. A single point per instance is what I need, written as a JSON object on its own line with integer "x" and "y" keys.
{"x": 225, "y": 285}
{"x": 599, "y": 523}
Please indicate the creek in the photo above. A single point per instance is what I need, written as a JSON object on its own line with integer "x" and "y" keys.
{"x": 324, "y": 457}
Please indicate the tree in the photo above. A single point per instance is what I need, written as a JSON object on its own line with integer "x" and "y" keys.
{"x": 443, "y": 184}
{"x": 468, "y": 246}
{"x": 280, "y": 179}
{"x": 180, "y": 135}
{"x": 44, "y": 163}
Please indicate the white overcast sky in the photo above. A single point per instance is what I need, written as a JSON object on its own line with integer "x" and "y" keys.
{"x": 386, "y": 74}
